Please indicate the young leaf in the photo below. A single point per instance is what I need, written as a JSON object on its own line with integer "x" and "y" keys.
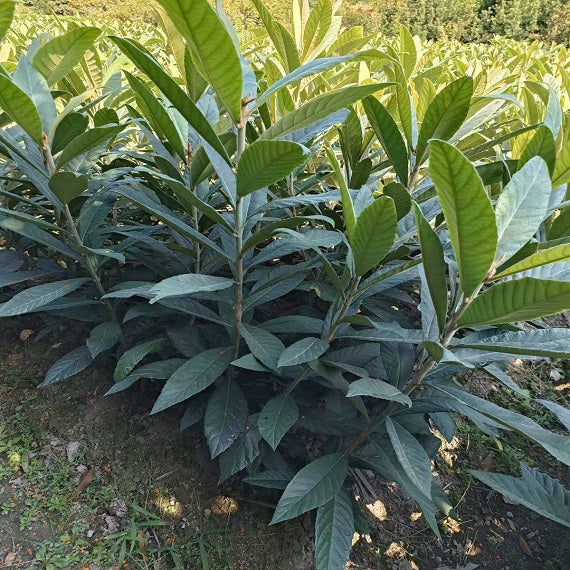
{"x": 389, "y": 136}
{"x": 57, "y": 58}
{"x": 192, "y": 377}
{"x": 33, "y": 298}
{"x": 103, "y": 337}
{"x": 536, "y": 491}
{"x": 302, "y": 351}
{"x": 518, "y": 300}
{"x": 69, "y": 365}
{"x": 557, "y": 254}
{"x": 374, "y": 388}
{"x": 187, "y": 284}
{"x": 68, "y": 186}
{"x": 434, "y": 265}
{"x": 226, "y": 417}
{"x": 347, "y": 205}
{"x": 313, "y": 486}
{"x": 277, "y": 417}
{"x": 20, "y": 108}
{"x": 412, "y": 456}
{"x": 522, "y": 206}
{"x": 374, "y": 234}
{"x": 334, "y": 529}
{"x": 468, "y": 212}
{"x": 212, "y": 48}
{"x": 445, "y": 114}
{"x": 266, "y": 162}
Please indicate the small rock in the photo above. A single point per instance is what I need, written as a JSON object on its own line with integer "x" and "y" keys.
{"x": 207, "y": 512}
{"x": 90, "y": 533}
{"x": 71, "y": 450}
{"x": 81, "y": 469}
{"x": 509, "y": 514}
{"x": 119, "y": 507}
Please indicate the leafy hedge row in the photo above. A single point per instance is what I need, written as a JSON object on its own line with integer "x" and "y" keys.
{"x": 298, "y": 236}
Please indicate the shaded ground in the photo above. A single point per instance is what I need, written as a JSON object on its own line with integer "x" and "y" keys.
{"x": 88, "y": 481}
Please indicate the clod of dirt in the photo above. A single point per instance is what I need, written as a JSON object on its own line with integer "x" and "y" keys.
{"x": 10, "y": 558}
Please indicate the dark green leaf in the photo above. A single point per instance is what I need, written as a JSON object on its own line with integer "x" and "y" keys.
{"x": 277, "y": 417}
{"x": 302, "y": 351}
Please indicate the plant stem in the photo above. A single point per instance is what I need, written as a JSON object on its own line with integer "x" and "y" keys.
{"x": 345, "y": 306}
{"x": 238, "y": 263}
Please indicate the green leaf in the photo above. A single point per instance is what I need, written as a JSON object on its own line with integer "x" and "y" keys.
{"x": 518, "y": 300}
{"x": 445, "y": 114}
{"x": 542, "y": 144}
{"x": 87, "y": 141}
{"x": 302, "y": 351}
{"x": 57, "y": 58}
{"x": 401, "y": 197}
{"x": 20, "y": 108}
{"x": 70, "y": 127}
{"x": 434, "y": 265}
{"x": 374, "y": 388}
{"x": 561, "y": 174}
{"x": 522, "y": 206}
{"x": 68, "y": 186}
{"x": 241, "y": 454}
{"x": 194, "y": 376}
{"x": 374, "y": 234}
{"x": 313, "y": 486}
{"x": 271, "y": 479}
{"x": 555, "y": 254}
{"x": 334, "y": 529}
{"x": 562, "y": 413}
{"x": 7, "y": 8}
{"x": 187, "y": 284}
{"x": 156, "y": 114}
{"x": 550, "y": 343}
{"x": 468, "y": 212}
{"x": 133, "y": 356}
{"x": 535, "y": 490}
{"x": 35, "y": 297}
{"x": 347, "y": 205}
{"x": 267, "y": 162}
{"x": 263, "y": 345}
{"x": 158, "y": 370}
{"x": 318, "y": 108}
{"x": 69, "y": 365}
{"x": 177, "y": 97}
{"x": 389, "y": 136}
{"x": 103, "y": 337}
{"x": 412, "y": 456}
{"x": 225, "y": 418}
{"x": 277, "y": 417}
{"x": 212, "y": 49}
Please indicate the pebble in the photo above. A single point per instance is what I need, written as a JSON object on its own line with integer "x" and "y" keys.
{"x": 509, "y": 514}
{"x": 71, "y": 450}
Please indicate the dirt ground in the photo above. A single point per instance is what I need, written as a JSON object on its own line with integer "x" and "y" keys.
{"x": 88, "y": 481}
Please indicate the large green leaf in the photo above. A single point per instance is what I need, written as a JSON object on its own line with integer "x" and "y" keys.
{"x": 241, "y": 454}
{"x": 266, "y": 162}
{"x": 445, "y": 114}
{"x": 302, "y": 351}
{"x": 263, "y": 345}
{"x": 277, "y": 417}
{"x": 521, "y": 206}
{"x": 7, "y": 8}
{"x": 226, "y": 417}
{"x": 550, "y": 343}
{"x": 313, "y": 486}
{"x": 57, "y": 58}
{"x": 541, "y": 144}
{"x": 561, "y": 173}
{"x": 187, "y": 284}
{"x": 318, "y": 108}
{"x": 389, "y": 136}
{"x": 434, "y": 266}
{"x": 103, "y": 337}
{"x": 179, "y": 100}
{"x": 20, "y": 108}
{"x": 468, "y": 212}
{"x": 67, "y": 186}
{"x": 87, "y": 141}
{"x": 35, "y": 297}
{"x": 374, "y": 234}
{"x": 130, "y": 358}
{"x": 535, "y": 490}
{"x": 412, "y": 456}
{"x": 518, "y": 300}
{"x": 556, "y": 254}
{"x": 212, "y": 48}
{"x": 192, "y": 377}
{"x": 334, "y": 529}
{"x": 347, "y": 204}
{"x": 375, "y": 388}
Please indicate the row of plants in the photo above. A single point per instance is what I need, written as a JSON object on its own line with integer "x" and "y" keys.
{"x": 303, "y": 237}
